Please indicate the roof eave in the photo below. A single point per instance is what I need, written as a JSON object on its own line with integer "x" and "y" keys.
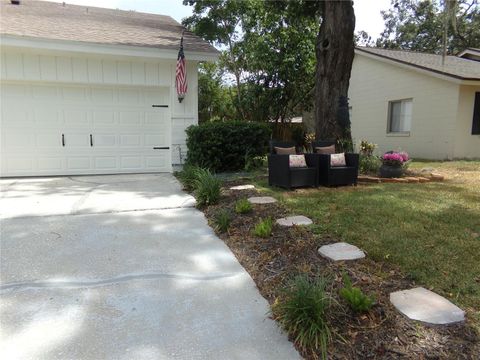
{"x": 104, "y": 49}
{"x": 424, "y": 70}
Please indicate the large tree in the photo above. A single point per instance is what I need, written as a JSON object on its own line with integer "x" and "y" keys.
{"x": 335, "y": 51}
{"x": 420, "y": 25}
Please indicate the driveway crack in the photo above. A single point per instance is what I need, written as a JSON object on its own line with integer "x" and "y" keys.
{"x": 54, "y": 284}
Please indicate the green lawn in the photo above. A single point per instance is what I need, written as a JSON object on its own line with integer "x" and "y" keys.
{"x": 431, "y": 231}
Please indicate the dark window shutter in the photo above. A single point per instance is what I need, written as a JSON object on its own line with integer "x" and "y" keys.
{"x": 476, "y": 115}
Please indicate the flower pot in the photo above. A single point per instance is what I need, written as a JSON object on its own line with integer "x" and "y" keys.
{"x": 389, "y": 171}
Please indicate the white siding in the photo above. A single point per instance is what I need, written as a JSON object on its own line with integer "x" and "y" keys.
{"x": 31, "y": 66}
{"x": 466, "y": 144}
{"x": 434, "y": 108}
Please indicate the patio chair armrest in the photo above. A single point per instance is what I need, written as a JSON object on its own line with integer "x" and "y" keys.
{"x": 311, "y": 160}
{"x": 352, "y": 159}
{"x": 279, "y": 161}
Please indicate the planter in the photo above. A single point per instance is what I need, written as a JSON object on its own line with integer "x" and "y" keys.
{"x": 389, "y": 171}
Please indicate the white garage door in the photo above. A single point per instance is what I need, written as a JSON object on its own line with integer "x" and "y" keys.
{"x": 51, "y": 129}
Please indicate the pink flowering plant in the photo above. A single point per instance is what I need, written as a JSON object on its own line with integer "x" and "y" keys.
{"x": 394, "y": 158}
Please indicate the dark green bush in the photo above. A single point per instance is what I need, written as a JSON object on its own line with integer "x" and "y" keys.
{"x": 207, "y": 187}
{"x": 224, "y": 146}
{"x": 301, "y": 311}
{"x": 355, "y": 298}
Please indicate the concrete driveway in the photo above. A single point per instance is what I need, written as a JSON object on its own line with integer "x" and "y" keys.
{"x": 123, "y": 267}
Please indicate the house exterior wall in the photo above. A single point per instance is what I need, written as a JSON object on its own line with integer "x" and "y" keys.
{"x": 46, "y": 66}
{"x": 466, "y": 144}
{"x": 374, "y": 84}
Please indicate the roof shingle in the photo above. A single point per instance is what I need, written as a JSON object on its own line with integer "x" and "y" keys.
{"x": 454, "y": 66}
{"x": 48, "y": 20}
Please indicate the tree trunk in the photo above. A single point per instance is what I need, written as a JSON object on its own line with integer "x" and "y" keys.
{"x": 335, "y": 50}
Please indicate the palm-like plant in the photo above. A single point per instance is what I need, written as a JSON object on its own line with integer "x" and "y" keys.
{"x": 449, "y": 17}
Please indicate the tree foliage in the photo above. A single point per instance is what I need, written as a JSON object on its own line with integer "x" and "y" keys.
{"x": 267, "y": 47}
{"x": 419, "y": 25}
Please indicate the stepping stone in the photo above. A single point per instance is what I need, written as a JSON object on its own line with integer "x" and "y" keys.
{"x": 424, "y": 305}
{"x": 242, "y": 187}
{"x": 341, "y": 251}
{"x": 261, "y": 200}
{"x": 294, "y": 220}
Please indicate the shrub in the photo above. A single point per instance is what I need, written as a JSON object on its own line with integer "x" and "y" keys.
{"x": 355, "y": 298}
{"x": 223, "y": 220}
{"x": 188, "y": 176}
{"x": 301, "y": 310}
{"x": 243, "y": 206}
{"x": 263, "y": 229}
{"x": 369, "y": 164}
{"x": 221, "y": 146}
{"x": 207, "y": 187}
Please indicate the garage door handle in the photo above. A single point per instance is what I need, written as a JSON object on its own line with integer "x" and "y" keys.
{"x": 91, "y": 140}
{"x": 63, "y": 140}
{"x": 161, "y": 148}
{"x": 160, "y": 106}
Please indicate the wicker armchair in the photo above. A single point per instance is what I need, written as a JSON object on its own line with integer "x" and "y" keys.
{"x": 335, "y": 175}
{"x": 281, "y": 174}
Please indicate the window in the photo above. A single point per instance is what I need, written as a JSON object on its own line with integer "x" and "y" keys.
{"x": 400, "y": 116}
{"x": 476, "y": 115}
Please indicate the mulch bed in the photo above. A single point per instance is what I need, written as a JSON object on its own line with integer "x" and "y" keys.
{"x": 382, "y": 333}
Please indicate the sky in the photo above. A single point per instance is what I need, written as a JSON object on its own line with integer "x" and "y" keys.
{"x": 367, "y": 12}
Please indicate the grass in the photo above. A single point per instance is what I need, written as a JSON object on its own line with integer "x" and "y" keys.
{"x": 243, "y": 206}
{"x": 431, "y": 231}
{"x": 222, "y": 220}
{"x": 354, "y": 297}
{"x": 263, "y": 228}
{"x": 207, "y": 187}
{"x": 301, "y": 309}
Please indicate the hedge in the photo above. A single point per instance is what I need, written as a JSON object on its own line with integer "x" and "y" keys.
{"x": 224, "y": 146}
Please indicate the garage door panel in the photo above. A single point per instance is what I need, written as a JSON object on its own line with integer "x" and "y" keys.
{"x": 50, "y": 164}
{"x": 105, "y": 140}
{"x": 103, "y": 95}
{"x": 123, "y": 133}
{"x": 15, "y": 114}
{"x": 76, "y": 117}
{"x": 103, "y": 117}
{"x": 106, "y": 163}
{"x": 130, "y": 118}
{"x": 77, "y": 140}
{"x": 155, "y": 139}
{"x": 78, "y": 163}
{"x": 155, "y": 162}
{"x": 18, "y": 164}
{"x": 48, "y": 140}
{"x": 131, "y": 162}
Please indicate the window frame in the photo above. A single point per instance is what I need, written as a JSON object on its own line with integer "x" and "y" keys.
{"x": 476, "y": 114}
{"x": 389, "y": 118}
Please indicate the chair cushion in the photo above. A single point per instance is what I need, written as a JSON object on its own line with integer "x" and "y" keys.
{"x": 337, "y": 160}
{"x": 325, "y": 149}
{"x": 297, "y": 161}
{"x": 285, "y": 151}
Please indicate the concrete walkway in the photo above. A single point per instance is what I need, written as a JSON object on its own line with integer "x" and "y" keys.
{"x": 123, "y": 267}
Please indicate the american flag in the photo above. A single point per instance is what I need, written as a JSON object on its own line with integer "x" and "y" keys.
{"x": 181, "y": 74}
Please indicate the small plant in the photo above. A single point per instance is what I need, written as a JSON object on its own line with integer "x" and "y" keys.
{"x": 263, "y": 229}
{"x": 243, "y": 206}
{"x": 369, "y": 164}
{"x": 207, "y": 187}
{"x": 301, "y": 310}
{"x": 367, "y": 148}
{"x": 222, "y": 220}
{"x": 356, "y": 299}
{"x": 187, "y": 177}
